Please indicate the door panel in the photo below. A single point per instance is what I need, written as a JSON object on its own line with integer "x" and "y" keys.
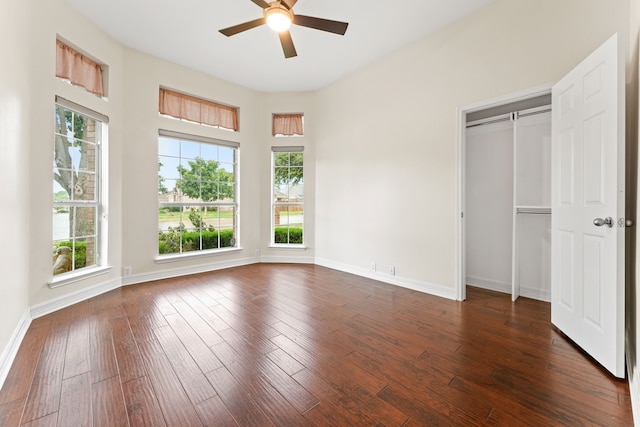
{"x": 587, "y": 267}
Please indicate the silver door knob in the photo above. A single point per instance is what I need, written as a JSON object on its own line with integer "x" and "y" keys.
{"x": 599, "y": 222}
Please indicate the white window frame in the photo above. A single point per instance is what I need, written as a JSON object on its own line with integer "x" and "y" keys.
{"x": 100, "y": 266}
{"x": 235, "y": 204}
{"x": 275, "y": 204}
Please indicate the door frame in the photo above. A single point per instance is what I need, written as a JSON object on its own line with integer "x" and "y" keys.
{"x": 461, "y": 268}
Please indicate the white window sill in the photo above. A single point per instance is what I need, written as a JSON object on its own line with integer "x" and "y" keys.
{"x": 285, "y": 246}
{"x": 75, "y": 276}
{"x": 196, "y": 254}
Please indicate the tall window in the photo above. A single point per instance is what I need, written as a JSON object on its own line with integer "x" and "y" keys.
{"x": 197, "y": 188}
{"x": 288, "y": 196}
{"x": 76, "y": 187}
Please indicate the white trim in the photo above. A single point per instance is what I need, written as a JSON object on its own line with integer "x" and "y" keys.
{"x": 78, "y": 275}
{"x": 537, "y": 294}
{"x": 428, "y": 288}
{"x": 184, "y": 271}
{"x": 287, "y": 246}
{"x": 287, "y": 259}
{"x": 162, "y": 259}
{"x": 11, "y": 350}
{"x": 197, "y": 138}
{"x": 56, "y": 304}
{"x": 491, "y": 285}
{"x": 460, "y": 273}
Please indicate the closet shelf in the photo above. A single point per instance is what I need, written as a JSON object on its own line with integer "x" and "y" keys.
{"x": 533, "y": 210}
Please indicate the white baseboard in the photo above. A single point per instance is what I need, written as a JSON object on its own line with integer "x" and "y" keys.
{"x": 492, "y": 285}
{"x": 11, "y": 350}
{"x": 184, "y": 271}
{"x": 56, "y": 304}
{"x": 488, "y": 284}
{"x": 287, "y": 259}
{"x": 428, "y": 288}
{"x": 535, "y": 294}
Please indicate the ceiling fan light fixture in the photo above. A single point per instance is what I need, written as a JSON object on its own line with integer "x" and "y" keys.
{"x": 278, "y": 18}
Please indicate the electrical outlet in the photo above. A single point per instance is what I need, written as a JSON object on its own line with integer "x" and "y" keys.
{"x": 392, "y": 270}
{"x": 373, "y": 266}
{"x": 257, "y": 252}
{"x": 126, "y": 271}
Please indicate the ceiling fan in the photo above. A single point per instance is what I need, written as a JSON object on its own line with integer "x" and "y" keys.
{"x": 279, "y": 16}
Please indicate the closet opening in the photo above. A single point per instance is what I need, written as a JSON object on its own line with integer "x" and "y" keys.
{"x": 505, "y": 197}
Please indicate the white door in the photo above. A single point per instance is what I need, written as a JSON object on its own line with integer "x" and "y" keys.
{"x": 587, "y": 267}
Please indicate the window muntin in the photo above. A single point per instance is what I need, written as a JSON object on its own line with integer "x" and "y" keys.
{"x": 76, "y": 190}
{"x": 287, "y": 196}
{"x": 197, "y": 195}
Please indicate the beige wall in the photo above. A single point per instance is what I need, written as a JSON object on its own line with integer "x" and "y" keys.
{"x": 15, "y": 125}
{"x": 387, "y": 140}
{"x": 144, "y": 75}
{"x": 271, "y": 103}
{"x": 49, "y": 20}
{"x": 380, "y": 145}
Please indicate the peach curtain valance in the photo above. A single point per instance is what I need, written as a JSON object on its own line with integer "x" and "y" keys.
{"x": 78, "y": 69}
{"x": 197, "y": 110}
{"x": 287, "y": 124}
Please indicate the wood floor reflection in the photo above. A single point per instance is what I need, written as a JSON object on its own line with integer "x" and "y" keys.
{"x": 287, "y": 345}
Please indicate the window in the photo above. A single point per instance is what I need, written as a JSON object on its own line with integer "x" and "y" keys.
{"x": 77, "y": 179}
{"x": 287, "y": 124}
{"x": 197, "y": 193}
{"x": 288, "y": 196}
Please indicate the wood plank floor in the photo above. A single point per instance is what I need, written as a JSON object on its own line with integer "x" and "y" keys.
{"x": 289, "y": 345}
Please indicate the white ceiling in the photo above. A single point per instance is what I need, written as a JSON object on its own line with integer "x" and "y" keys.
{"x": 186, "y": 32}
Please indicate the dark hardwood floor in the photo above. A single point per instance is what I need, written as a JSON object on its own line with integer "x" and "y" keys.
{"x": 285, "y": 345}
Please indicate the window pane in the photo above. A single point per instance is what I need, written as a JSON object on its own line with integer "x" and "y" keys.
{"x": 169, "y": 218}
{"x": 296, "y": 159}
{"x": 205, "y": 181}
{"x": 84, "y": 221}
{"x": 227, "y": 155}
{"x": 288, "y": 195}
{"x": 189, "y": 150}
{"x": 281, "y": 159}
{"x": 75, "y": 178}
{"x": 209, "y": 152}
{"x": 227, "y": 226}
{"x": 85, "y": 251}
{"x": 61, "y": 223}
{"x": 168, "y": 147}
{"x": 168, "y": 167}
{"x": 167, "y": 191}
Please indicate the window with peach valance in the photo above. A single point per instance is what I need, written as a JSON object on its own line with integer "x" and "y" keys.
{"x": 78, "y": 69}
{"x": 287, "y": 124}
{"x": 197, "y": 110}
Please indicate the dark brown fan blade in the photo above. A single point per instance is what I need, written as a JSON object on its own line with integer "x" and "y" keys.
{"x": 287, "y": 44}
{"x": 335, "y": 27}
{"x": 263, "y": 4}
{"x": 243, "y": 27}
{"x": 289, "y": 3}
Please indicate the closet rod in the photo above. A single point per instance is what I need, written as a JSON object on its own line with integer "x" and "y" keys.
{"x": 533, "y": 213}
{"x": 508, "y": 116}
{"x": 490, "y": 121}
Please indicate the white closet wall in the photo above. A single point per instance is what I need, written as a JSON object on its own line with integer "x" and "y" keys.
{"x": 532, "y": 230}
{"x": 489, "y": 205}
{"x": 507, "y": 206}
